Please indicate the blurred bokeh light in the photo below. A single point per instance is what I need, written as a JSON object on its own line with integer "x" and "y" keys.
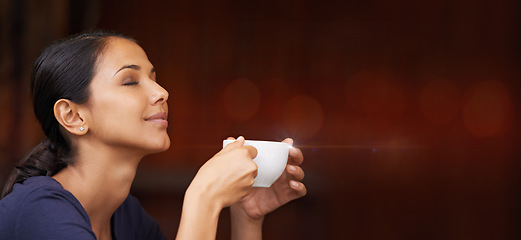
{"x": 488, "y": 109}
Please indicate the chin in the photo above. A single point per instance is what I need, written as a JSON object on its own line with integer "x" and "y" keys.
{"x": 163, "y": 147}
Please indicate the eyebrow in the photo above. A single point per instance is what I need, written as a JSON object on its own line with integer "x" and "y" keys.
{"x": 133, "y": 67}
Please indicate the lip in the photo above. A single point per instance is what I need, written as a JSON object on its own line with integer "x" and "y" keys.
{"x": 159, "y": 118}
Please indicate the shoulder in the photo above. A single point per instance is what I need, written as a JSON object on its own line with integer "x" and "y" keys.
{"x": 41, "y": 208}
{"x": 131, "y": 221}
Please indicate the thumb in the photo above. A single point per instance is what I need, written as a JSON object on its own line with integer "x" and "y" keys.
{"x": 252, "y": 151}
{"x": 235, "y": 144}
{"x": 240, "y": 143}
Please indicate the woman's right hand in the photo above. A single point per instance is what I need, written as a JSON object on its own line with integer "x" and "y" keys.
{"x": 228, "y": 176}
{"x": 220, "y": 182}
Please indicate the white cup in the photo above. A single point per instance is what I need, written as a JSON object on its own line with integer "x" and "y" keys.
{"x": 271, "y": 160}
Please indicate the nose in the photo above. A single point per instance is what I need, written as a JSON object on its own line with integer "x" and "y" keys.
{"x": 159, "y": 94}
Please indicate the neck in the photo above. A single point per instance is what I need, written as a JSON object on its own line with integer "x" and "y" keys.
{"x": 100, "y": 179}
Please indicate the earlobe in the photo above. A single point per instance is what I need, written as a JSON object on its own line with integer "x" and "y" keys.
{"x": 66, "y": 113}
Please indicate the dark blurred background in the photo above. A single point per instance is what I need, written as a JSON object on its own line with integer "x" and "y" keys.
{"x": 406, "y": 110}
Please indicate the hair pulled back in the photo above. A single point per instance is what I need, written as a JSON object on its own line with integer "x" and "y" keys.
{"x": 64, "y": 70}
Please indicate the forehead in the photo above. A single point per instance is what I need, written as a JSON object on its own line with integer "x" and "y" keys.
{"x": 119, "y": 52}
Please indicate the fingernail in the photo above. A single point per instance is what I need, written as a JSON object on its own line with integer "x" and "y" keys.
{"x": 294, "y": 184}
{"x": 240, "y": 138}
{"x": 292, "y": 168}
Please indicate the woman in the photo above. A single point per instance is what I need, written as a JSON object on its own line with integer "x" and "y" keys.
{"x": 99, "y": 104}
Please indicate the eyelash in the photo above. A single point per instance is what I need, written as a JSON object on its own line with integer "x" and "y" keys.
{"x": 130, "y": 83}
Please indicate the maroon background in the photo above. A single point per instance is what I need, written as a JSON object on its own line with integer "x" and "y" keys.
{"x": 406, "y": 111}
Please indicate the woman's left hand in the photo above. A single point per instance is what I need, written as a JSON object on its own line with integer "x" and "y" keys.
{"x": 261, "y": 201}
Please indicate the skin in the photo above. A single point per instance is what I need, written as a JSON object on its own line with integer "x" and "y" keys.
{"x": 119, "y": 132}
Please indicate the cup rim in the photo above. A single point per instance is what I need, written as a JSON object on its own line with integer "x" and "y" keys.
{"x": 260, "y": 141}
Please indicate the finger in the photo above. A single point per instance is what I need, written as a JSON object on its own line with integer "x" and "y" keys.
{"x": 252, "y": 151}
{"x": 230, "y": 138}
{"x": 255, "y": 173}
{"x": 295, "y": 156}
{"x": 300, "y": 188}
{"x": 296, "y": 172}
{"x": 288, "y": 141}
{"x": 235, "y": 144}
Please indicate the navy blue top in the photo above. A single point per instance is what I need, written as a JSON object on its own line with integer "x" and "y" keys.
{"x": 41, "y": 208}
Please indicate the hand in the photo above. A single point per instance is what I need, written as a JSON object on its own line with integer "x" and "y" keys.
{"x": 226, "y": 177}
{"x": 260, "y": 201}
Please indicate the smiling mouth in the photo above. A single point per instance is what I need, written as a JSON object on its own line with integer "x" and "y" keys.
{"x": 159, "y": 118}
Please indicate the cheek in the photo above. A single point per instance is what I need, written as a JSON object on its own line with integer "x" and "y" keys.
{"x": 113, "y": 114}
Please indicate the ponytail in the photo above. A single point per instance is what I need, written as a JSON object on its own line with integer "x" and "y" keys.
{"x": 46, "y": 159}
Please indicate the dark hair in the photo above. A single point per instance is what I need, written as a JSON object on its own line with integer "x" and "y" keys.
{"x": 64, "y": 70}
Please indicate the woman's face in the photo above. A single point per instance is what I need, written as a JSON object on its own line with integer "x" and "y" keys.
{"x": 127, "y": 108}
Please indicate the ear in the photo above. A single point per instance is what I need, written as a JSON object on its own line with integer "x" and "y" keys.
{"x": 66, "y": 112}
